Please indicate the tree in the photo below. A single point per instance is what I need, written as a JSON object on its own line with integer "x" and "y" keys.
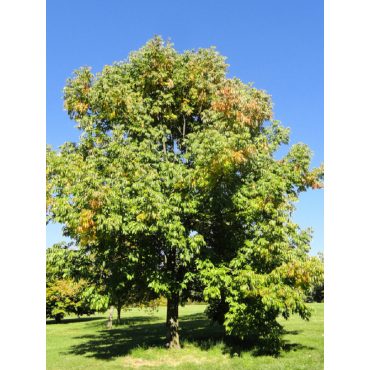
{"x": 65, "y": 296}
{"x": 173, "y": 187}
{"x": 98, "y": 287}
{"x": 316, "y": 291}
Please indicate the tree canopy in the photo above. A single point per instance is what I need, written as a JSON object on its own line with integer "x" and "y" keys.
{"x": 174, "y": 188}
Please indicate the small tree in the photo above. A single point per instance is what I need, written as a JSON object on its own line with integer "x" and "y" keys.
{"x": 175, "y": 191}
{"x": 64, "y": 297}
{"x": 99, "y": 287}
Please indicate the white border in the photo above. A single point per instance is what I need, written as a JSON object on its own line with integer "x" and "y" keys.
{"x": 347, "y": 200}
{"x": 22, "y": 151}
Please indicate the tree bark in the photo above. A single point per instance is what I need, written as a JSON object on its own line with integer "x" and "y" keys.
{"x": 118, "y": 315}
{"x": 183, "y": 131}
{"x": 109, "y": 326}
{"x": 172, "y": 323}
{"x": 164, "y": 147}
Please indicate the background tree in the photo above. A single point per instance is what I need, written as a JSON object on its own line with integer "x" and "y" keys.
{"x": 99, "y": 287}
{"x": 65, "y": 296}
{"x": 316, "y": 291}
{"x": 174, "y": 186}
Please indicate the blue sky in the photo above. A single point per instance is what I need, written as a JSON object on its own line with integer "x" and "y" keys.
{"x": 278, "y": 45}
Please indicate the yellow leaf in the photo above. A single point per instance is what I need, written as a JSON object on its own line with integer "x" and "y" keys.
{"x": 140, "y": 217}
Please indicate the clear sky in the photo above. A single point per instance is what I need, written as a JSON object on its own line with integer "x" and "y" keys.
{"x": 278, "y": 45}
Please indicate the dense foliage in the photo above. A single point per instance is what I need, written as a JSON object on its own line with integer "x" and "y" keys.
{"x": 65, "y": 297}
{"x": 174, "y": 189}
{"x": 97, "y": 287}
{"x": 316, "y": 291}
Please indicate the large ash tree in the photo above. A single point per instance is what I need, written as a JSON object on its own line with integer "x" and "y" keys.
{"x": 174, "y": 188}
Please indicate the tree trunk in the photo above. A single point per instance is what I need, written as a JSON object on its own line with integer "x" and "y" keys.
{"x": 58, "y": 318}
{"x": 109, "y": 326}
{"x": 172, "y": 323}
{"x": 118, "y": 315}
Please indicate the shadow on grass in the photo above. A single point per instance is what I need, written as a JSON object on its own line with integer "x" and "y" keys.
{"x": 121, "y": 341}
{"x": 193, "y": 316}
{"x": 288, "y": 347}
{"x": 236, "y": 347}
{"x": 292, "y": 332}
{"x": 137, "y": 320}
{"x": 108, "y": 344}
{"x": 75, "y": 319}
{"x": 124, "y": 321}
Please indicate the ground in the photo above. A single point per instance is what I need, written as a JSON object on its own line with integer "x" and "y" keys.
{"x": 137, "y": 343}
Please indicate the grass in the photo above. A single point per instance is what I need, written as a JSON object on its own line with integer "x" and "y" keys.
{"x": 137, "y": 343}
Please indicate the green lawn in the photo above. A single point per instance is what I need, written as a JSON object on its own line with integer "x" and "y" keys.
{"x": 138, "y": 343}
